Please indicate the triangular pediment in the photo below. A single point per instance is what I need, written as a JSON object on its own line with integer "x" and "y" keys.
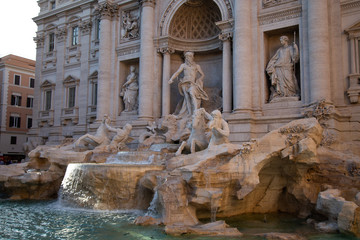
{"x": 93, "y": 75}
{"x": 47, "y": 83}
{"x": 70, "y": 79}
{"x": 354, "y": 28}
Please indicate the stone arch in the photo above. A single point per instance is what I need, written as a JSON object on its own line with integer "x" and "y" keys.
{"x": 224, "y": 6}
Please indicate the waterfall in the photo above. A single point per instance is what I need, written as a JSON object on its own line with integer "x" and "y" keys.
{"x": 153, "y": 210}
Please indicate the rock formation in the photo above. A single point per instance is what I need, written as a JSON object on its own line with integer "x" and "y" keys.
{"x": 288, "y": 170}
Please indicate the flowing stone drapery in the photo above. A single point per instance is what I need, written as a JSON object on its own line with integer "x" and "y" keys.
{"x": 107, "y": 11}
{"x": 226, "y": 72}
{"x": 147, "y": 55}
{"x": 319, "y": 52}
{"x": 242, "y": 63}
{"x": 166, "y": 76}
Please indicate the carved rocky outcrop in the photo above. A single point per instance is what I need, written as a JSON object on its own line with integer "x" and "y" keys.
{"x": 266, "y": 175}
{"x": 41, "y": 177}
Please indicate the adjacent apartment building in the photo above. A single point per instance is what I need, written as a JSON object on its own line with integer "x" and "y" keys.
{"x": 17, "y": 78}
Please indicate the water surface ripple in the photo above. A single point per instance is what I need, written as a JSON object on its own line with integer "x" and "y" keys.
{"x": 49, "y": 220}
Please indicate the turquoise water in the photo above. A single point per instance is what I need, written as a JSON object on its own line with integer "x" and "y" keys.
{"x": 48, "y": 220}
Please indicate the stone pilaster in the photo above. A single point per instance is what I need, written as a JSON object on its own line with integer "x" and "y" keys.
{"x": 319, "y": 52}
{"x": 147, "y": 56}
{"x": 106, "y": 11}
{"x": 243, "y": 57}
{"x": 60, "y": 46}
{"x": 226, "y": 72}
{"x": 40, "y": 40}
{"x": 82, "y": 96}
{"x": 165, "y": 78}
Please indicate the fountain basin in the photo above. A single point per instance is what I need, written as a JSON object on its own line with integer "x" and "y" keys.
{"x": 106, "y": 186}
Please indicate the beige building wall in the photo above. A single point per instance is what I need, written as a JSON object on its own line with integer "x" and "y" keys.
{"x": 13, "y": 136}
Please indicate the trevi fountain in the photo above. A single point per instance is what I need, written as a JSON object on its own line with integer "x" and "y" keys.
{"x": 216, "y": 119}
{"x": 185, "y": 178}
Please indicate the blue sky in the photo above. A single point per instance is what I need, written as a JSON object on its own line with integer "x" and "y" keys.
{"x": 17, "y": 28}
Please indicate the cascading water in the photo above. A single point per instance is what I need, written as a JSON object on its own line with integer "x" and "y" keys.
{"x": 213, "y": 209}
{"x": 153, "y": 210}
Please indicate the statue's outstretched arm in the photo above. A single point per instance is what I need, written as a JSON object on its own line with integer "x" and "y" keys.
{"x": 181, "y": 68}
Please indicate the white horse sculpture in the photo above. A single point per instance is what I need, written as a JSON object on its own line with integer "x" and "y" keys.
{"x": 198, "y": 140}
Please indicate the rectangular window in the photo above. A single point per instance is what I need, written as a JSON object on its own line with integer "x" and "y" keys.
{"x": 52, "y": 5}
{"x": 29, "y": 122}
{"x": 94, "y": 94}
{"x": 13, "y": 140}
{"x": 75, "y": 36}
{"x": 32, "y": 82}
{"x": 71, "y": 97}
{"x": 17, "y": 79}
{"x": 98, "y": 29}
{"x": 51, "y": 42}
{"x": 15, "y": 100}
{"x": 14, "y": 122}
{"x": 47, "y": 100}
{"x": 29, "y": 102}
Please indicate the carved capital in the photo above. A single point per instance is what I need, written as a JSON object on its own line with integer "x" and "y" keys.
{"x": 39, "y": 40}
{"x": 166, "y": 50}
{"x": 226, "y": 36}
{"x": 60, "y": 33}
{"x": 147, "y": 3}
{"x": 107, "y": 10}
{"x": 85, "y": 27}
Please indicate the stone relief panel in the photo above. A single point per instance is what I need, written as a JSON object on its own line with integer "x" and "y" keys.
{"x": 130, "y": 24}
{"x": 278, "y": 16}
{"x": 271, "y": 3}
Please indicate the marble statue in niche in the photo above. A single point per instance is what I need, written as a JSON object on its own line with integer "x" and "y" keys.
{"x": 281, "y": 71}
{"x": 190, "y": 86}
{"x": 130, "y": 90}
{"x": 130, "y": 26}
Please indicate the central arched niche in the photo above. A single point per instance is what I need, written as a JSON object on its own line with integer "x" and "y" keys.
{"x": 195, "y": 20}
{"x": 193, "y": 28}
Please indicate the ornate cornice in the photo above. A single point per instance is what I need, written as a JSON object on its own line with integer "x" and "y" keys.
{"x": 147, "y": 3}
{"x": 350, "y": 4}
{"x": 60, "y": 33}
{"x": 85, "y": 26}
{"x": 165, "y": 50}
{"x": 271, "y": 3}
{"x": 107, "y": 10}
{"x": 280, "y": 16}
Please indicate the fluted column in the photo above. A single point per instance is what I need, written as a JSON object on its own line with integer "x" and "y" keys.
{"x": 242, "y": 63}
{"x": 226, "y": 72}
{"x": 165, "y": 78}
{"x": 319, "y": 57}
{"x": 147, "y": 55}
{"x": 107, "y": 11}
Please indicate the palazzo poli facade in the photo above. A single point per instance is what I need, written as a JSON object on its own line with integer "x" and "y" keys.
{"x": 87, "y": 48}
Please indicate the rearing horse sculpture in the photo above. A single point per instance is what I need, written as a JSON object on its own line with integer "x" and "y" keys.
{"x": 198, "y": 140}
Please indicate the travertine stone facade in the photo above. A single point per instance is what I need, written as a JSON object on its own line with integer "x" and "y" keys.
{"x": 85, "y": 49}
